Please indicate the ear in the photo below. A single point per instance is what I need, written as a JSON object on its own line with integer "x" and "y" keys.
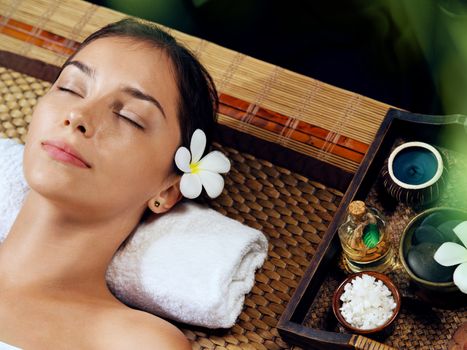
{"x": 167, "y": 198}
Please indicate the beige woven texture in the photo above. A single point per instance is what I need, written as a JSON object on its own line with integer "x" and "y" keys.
{"x": 257, "y": 82}
{"x": 290, "y": 209}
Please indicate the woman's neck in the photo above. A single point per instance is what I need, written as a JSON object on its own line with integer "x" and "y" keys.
{"x": 50, "y": 250}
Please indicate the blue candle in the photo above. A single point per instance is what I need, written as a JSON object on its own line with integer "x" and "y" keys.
{"x": 413, "y": 172}
{"x": 415, "y": 165}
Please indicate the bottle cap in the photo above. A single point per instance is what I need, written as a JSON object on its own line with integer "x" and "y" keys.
{"x": 357, "y": 208}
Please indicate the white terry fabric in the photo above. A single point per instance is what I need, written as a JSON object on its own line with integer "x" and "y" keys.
{"x": 192, "y": 264}
{"x": 5, "y": 346}
{"x": 13, "y": 186}
{"x": 196, "y": 263}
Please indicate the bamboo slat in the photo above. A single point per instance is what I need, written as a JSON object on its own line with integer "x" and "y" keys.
{"x": 11, "y": 44}
{"x": 294, "y": 145}
{"x": 60, "y": 24}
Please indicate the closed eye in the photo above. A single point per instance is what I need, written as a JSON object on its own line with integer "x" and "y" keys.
{"x": 61, "y": 88}
{"x": 131, "y": 121}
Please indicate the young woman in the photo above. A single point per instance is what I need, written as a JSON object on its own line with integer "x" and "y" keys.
{"x": 99, "y": 153}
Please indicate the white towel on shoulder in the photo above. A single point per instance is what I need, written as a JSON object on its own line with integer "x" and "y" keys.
{"x": 6, "y": 346}
{"x": 192, "y": 264}
{"x": 13, "y": 186}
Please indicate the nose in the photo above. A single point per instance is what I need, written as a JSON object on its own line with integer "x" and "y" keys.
{"x": 79, "y": 121}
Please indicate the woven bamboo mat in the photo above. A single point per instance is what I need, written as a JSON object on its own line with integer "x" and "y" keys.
{"x": 419, "y": 326}
{"x": 292, "y": 210}
{"x": 269, "y": 102}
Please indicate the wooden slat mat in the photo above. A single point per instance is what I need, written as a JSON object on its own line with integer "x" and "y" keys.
{"x": 292, "y": 210}
{"x": 269, "y": 102}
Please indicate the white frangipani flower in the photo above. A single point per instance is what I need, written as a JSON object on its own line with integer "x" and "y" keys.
{"x": 199, "y": 172}
{"x": 450, "y": 253}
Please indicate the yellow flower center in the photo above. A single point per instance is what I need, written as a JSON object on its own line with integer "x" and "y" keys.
{"x": 194, "y": 167}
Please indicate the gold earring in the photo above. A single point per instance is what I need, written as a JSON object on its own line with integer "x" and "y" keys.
{"x": 157, "y": 204}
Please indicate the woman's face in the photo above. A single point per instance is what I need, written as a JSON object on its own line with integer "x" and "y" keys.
{"x": 114, "y": 106}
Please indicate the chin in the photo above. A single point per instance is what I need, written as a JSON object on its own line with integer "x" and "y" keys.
{"x": 48, "y": 185}
{"x": 51, "y": 181}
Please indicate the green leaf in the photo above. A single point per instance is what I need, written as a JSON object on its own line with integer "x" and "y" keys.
{"x": 371, "y": 235}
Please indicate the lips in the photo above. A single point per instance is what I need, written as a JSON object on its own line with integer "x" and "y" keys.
{"x": 64, "y": 152}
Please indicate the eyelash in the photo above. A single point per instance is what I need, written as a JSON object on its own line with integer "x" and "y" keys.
{"x": 61, "y": 88}
{"x": 132, "y": 122}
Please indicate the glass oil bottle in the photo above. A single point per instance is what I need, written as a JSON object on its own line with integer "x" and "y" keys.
{"x": 365, "y": 243}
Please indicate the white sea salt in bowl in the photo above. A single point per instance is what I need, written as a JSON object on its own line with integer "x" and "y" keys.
{"x": 366, "y": 302}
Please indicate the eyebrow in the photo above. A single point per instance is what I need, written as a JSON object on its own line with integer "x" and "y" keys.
{"x": 81, "y": 66}
{"x": 132, "y": 91}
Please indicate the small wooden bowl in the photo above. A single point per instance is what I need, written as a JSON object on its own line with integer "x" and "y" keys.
{"x": 337, "y": 303}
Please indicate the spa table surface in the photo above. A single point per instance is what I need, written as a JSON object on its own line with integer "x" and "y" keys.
{"x": 295, "y": 143}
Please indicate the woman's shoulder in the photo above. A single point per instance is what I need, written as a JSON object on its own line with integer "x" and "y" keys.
{"x": 128, "y": 328}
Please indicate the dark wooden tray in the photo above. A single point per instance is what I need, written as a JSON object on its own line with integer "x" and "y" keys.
{"x": 396, "y": 125}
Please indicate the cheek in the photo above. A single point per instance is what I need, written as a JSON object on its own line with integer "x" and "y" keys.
{"x": 139, "y": 171}
{"x": 31, "y": 156}
{"x": 43, "y": 116}
{"x": 37, "y": 170}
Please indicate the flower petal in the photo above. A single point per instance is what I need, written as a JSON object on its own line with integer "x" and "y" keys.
{"x": 182, "y": 159}
{"x": 450, "y": 253}
{"x": 460, "y": 277}
{"x": 216, "y": 162}
{"x": 213, "y": 183}
{"x": 190, "y": 186}
{"x": 461, "y": 232}
{"x": 197, "y": 145}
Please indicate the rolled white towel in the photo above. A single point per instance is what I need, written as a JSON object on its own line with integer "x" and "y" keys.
{"x": 192, "y": 264}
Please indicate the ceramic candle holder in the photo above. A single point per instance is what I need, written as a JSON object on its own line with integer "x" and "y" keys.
{"x": 414, "y": 173}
